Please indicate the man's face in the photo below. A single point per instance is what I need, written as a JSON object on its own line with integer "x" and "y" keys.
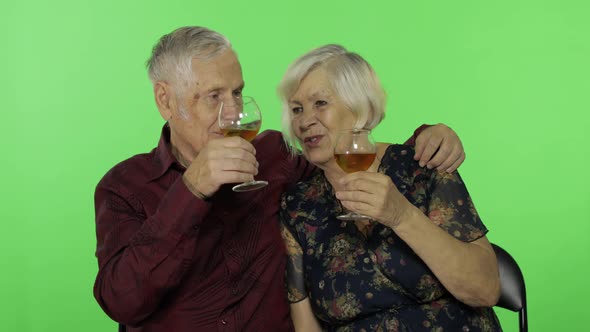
{"x": 217, "y": 79}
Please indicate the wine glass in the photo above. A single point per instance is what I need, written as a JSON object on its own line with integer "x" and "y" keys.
{"x": 354, "y": 151}
{"x": 241, "y": 117}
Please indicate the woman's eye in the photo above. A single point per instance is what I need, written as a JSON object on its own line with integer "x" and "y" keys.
{"x": 320, "y": 103}
{"x": 237, "y": 93}
{"x": 297, "y": 110}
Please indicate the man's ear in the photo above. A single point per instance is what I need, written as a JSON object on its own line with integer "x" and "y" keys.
{"x": 165, "y": 99}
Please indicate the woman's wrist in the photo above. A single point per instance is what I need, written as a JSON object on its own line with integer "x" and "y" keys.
{"x": 405, "y": 217}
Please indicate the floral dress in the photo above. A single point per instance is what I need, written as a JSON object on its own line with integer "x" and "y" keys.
{"x": 375, "y": 282}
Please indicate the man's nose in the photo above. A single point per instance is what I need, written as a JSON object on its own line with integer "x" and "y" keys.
{"x": 231, "y": 110}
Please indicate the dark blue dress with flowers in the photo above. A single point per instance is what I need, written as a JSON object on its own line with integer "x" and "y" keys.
{"x": 375, "y": 282}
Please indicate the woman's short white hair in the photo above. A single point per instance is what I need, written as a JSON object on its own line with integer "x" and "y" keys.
{"x": 171, "y": 59}
{"x": 352, "y": 78}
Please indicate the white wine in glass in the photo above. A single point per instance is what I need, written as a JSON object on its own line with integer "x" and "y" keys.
{"x": 241, "y": 118}
{"x": 354, "y": 151}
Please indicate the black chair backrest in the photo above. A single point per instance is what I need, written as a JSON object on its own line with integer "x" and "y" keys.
{"x": 513, "y": 292}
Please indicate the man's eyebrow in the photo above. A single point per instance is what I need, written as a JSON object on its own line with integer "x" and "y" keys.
{"x": 214, "y": 89}
{"x": 197, "y": 95}
{"x": 241, "y": 86}
{"x": 217, "y": 88}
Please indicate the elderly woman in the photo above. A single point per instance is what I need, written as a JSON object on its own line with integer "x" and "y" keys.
{"x": 421, "y": 262}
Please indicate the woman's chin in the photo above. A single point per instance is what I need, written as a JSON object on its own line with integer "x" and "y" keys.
{"x": 318, "y": 158}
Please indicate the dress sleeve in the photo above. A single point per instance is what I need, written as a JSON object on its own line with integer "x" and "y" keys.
{"x": 295, "y": 282}
{"x": 451, "y": 207}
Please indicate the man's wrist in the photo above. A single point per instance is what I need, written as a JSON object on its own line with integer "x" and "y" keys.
{"x": 194, "y": 190}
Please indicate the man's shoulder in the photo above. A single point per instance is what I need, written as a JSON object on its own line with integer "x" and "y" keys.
{"x": 268, "y": 137}
{"x": 137, "y": 168}
{"x": 270, "y": 145}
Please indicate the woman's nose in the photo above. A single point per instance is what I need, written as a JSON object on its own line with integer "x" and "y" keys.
{"x": 308, "y": 119}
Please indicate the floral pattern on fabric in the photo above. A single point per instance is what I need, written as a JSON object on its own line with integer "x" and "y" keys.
{"x": 375, "y": 282}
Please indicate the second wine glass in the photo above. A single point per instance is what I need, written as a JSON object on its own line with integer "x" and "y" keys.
{"x": 241, "y": 117}
{"x": 354, "y": 151}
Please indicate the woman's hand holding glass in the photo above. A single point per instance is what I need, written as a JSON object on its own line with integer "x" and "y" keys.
{"x": 371, "y": 195}
{"x": 374, "y": 196}
{"x": 354, "y": 151}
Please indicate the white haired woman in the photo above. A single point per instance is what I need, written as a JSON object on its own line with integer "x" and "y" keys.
{"x": 421, "y": 263}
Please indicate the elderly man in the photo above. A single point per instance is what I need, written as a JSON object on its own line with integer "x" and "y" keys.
{"x": 177, "y": 249}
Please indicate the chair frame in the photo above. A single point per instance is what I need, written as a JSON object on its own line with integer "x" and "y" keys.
{"x": 513, "y": 291}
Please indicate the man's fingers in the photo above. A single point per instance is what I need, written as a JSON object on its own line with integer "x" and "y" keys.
{"x": 420, "y": 145}
{"x": 233, "y": 177}
{"x": 231, "y": 153}
{"x": 236, "y": 165}
{"x": 442, "y": 154}
{"x": 233, "y": 142}
{"x": 430, "y": 149}
{"x": 449, "y": 160}
{"x": 456, "y": 164}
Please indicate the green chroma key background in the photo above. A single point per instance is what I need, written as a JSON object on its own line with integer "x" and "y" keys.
{"x": 511, "y": 77}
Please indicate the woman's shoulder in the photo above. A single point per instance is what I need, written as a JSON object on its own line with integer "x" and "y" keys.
{"x": 398, "y": 157}
{"x": 398, "y": 151}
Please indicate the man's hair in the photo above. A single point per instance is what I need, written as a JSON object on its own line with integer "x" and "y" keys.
{"x": 352, "y": 79}
{"x": 171, "y": 59}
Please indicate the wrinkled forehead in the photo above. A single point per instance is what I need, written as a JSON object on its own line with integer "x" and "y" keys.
{"x": 316, "y": 84}
{"x": 221, "y": 71}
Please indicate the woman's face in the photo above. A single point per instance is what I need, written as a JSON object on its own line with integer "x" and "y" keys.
{"x": 318, "y": 114}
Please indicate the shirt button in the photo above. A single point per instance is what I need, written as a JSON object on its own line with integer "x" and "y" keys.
{"x": 234, "y": 291}
{"x": 224, "y": 322}
{"x": 196, "y": 227}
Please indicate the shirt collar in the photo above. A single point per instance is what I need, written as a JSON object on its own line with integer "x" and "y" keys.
{"x": 163, "y": 158}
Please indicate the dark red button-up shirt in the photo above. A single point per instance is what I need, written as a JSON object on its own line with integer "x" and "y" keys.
{"x": 171, "y": 262}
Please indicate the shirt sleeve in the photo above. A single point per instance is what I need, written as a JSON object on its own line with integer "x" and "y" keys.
{"x": 294, "y": 276}
{"x": 293, "y": 166}
{"x": 142, "y": 258}
{"x": 450, "y": 207}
